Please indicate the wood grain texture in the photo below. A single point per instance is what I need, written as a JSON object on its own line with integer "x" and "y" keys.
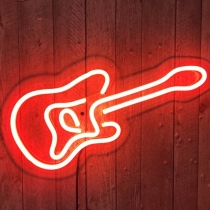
{"x": 161, "y": 160}
{"x": 188, "y": 23}
{"x": 158, "y": 33}
{"x": 204, "y": 122}
{"x": 36, "y": 57}
{"x": 69, "y": 50}
{"x": 11, "y": 193}
{"x": 128, "y": 62}
{"x": 100, "y": 161}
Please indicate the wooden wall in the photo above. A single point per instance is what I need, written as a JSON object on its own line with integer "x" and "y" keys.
{"x": 164, "y": 162}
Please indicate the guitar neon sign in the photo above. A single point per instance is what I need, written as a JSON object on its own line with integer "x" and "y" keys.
{"x": 67, "y": 109}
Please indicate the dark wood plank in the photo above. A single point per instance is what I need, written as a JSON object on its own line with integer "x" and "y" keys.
{"x": 128, "y": 62}
{"x": 10, "y": 175}
{"x": 188, "y": 20}
{"x": 160, "y": 161}
{"x": 204, "y": 122}
{"x": 100, "y": 159}
{"x": 36, "y": 57}
{"x": 69, "y": 51}
{"x": 158, "y": 31}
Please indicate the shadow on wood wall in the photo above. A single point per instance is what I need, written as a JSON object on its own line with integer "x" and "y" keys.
{"x": 163, "y": 163}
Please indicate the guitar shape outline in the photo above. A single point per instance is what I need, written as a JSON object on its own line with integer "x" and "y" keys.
{"x": 67, "y": 110}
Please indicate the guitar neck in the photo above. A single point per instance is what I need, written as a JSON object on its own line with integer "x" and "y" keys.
{"x": 154, "y": 84}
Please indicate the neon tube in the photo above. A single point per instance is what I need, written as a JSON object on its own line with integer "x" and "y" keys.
{"x": 159, "y": 93}
{"x": 29, "y": 95}
{"x": 79, "y": 135}
{"x": 75, "y": 119}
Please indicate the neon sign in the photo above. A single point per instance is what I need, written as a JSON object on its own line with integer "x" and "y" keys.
{"x": 67, "y": 108}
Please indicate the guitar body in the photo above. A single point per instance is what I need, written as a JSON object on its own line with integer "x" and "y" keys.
{"x": 30, "y": 132}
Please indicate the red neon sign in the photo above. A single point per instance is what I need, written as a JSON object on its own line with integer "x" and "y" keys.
{"x": 67, "y": 109}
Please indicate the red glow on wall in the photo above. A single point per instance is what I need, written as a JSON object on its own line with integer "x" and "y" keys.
{"x": 48, "y": 134}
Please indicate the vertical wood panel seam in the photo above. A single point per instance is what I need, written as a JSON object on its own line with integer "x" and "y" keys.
{"x": 199, "y": 105}
{"x": 78, "y": 160}
{"x": 85, "y": 4}
{"x": 77, "y": 178}
{"x": 19, "y": 90}
{"x": 115, "y": 51}
{"x": 175, "y": 36}
{"x": 53, "y": 38}
{"x": 140, "y": 197}
{"x": 201, "y": 12}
